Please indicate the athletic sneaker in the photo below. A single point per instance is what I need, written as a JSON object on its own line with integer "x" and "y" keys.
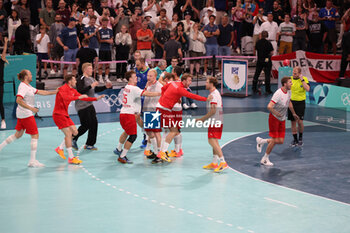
{"x": 194, "y": 106}
{"x": 300, "y": 143}
{"x": 222, "y": 166}
{"x": 124, "y": 160}
{"x": 35, "y": 163}
{"x": 164, "y": 156}
{"x": 117, "y": 152}
{"x": 266, "y": 162}
{"x": 75, "y": 145}
{"x": 60, "y": 152}
{"x": 74, "y": 160}
{"x": 259, "y": 144}
{"x": 211, "y": 166}
{"x": 173, "y": 154}
{"x": 3, "y": 124}
{"x": 180, "y": 153}
{"x": 144, "y": 143}
{"x": 149, "y": 154}
{"x": 90, "y": 147}
{"x": 293, "y": 143}
{"x": 157, "y": 160}
{"x": 185, "y": 106}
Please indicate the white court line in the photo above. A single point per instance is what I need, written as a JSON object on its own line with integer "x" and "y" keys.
{"x": 295, "y": 190}
{"x": 280, "y": 202}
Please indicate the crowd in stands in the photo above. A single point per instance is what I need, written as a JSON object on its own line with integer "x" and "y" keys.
{"x": 163, "y": 29}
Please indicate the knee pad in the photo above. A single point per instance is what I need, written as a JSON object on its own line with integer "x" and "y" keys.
{"x": 132, "y": 138}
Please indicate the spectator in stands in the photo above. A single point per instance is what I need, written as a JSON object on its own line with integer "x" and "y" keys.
{"x": 272, "y": 28}
{"x": 47, "y": 15}
{"x": 106, "y": 14}
{"x": 141, "y": 72}
{"x": 162, "y": 16}
{"x": 258, "y": 20}
{"x": 123, "y": 41}
{"x": 126, "y": 9}
{"x": 205, "y": 18}
{"x": 3, "y": 16}
{"x": 76, "y": 13}
{"x": 43, "y": 43}
{"x": 247, "y": 35}
{"x": 277, "y": 13}
{"x": 23, "y": 10}
{"x": 56, "y": 49}
{"x": 225, "y": 39}
{"x": 188, "y": 7}
{"x": 175, "y": 21}
{"x": 22, "y": 38}
{"x": 221, "y": 10}
{"x": 161, "y": 36}
{"x": 286, "y": 31}
{"x": 86, "y": 55}
{"x": 174, "y": 62}
{"x": 105, "y": 37}
{"x": 144, "y": 41}
{"x": 264, "y": 49}
{"x": 211, "y": 32}
{"x": 345, "y": 26}
{"x": 121, "y": 19}
{"x": 103, "y": 6}
{"x": 172, "y": 48}
{"x": 69, "y": 41}
{"x": 178, "y": 7}
{"x": 317, "y": 34}
{"x": 150, "y": 24}
{"x": 249, "y": 9}
{"x": 345, "y": 58}
{"x": 168, "y": 5}
{"x": 188, "y": 23}
{"x": 90, "y": 33}
{"x": 329, "y": 15}
{"x": 237, "y": 18}
{"x": 204, "y": 12}
{"x": 13, "y": 23}
{"x": 64, "y": 12}
{"x": 161, "y": 67}
{"x": 151, "y": 7}
{"x": 90, "y": 14}
{"x": 181, "y": 37}
{"x": 197, "y": 47}
{"x": 300, "y": 20}
{"x": 135, "y": 25}
{"x": 133, "y": 4}
{"x": 311, "y": 8}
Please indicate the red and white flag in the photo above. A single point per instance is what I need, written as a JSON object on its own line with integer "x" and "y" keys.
{"x": 316, "y": 67}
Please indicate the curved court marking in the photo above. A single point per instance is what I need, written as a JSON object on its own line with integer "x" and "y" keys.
{"x": 274, "y": 183}
{"x": 190, "y": 212}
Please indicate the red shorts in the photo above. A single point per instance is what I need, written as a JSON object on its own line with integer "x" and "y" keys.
{"x": 62, "y": 121}
{"x": 215, "y": 132}
{"x": 167, "y": 118}
{"x": 277, "y": 127}
{"x": 154, "y": 130}
{"x": 128, "y": 123}
{"x": 28, "y": 124}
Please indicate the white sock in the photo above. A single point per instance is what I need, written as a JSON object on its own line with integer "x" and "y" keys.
{"x": 63, "y": 144}
{"x": 166, "y": 132}
{"x": 120, "y": 146}
{"x": 125, "y": 151}
{"x": 70, "y": 152}
{"x": 33, "y": 149}
{"x": 266, "y": 156}
{"x": 7, "y": 141}
{"x": 178, "y": 142}
{"x": 222, "y": 159}
{"x": 165, "y": 147}
{"x": 215, "y": 158}
{"x": 148, "y": 145}
{"x": 154, "y": 144}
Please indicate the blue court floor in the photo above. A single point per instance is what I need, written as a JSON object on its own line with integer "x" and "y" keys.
{"x": 306, "y": 191}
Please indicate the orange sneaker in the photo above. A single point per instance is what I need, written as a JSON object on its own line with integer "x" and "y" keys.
{"x": 74, "y": 160}
{"x": 222, "y": 166}
{"x": 211, "y": 166}
{"x": 60, "y": 152}
{"x": 164, "y": 156}
{"x": 173, "y": 154}
{"x": 147, "y": 152}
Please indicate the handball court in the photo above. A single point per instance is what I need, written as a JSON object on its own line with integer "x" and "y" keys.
{"x": 307, "y": 190}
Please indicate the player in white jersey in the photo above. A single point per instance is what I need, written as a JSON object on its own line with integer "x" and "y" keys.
{"x": 131, "y": 99}
{"x": 278, "y": 106}
{"x": 214, "y": 115}
{"x": 149, "y": 105}
{"x": 24, "y": 113}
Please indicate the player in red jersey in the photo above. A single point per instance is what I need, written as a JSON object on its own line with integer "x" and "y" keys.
{"x": 130, "y": 110}
{"x": 171, "y": 94}
{"x": 24, "y": 113}
{"x": 65, "y": 95}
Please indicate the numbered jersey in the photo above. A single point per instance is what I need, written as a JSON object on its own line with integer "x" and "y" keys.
{"x": 131, "y": 99}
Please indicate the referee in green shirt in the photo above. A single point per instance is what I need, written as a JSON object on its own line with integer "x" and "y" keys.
{"x": 299, "y": 88}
